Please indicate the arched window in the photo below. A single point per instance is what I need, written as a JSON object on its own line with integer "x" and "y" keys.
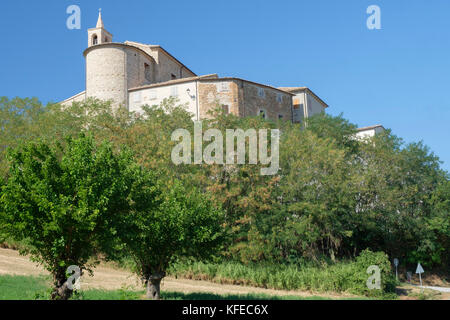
{"x": 147, "y": 72}
{"x": 94, "y": 39}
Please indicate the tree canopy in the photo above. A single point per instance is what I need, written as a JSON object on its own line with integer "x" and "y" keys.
{"x": 333, "y": 197}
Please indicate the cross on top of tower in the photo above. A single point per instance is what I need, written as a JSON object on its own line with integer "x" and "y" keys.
{"x": 100, "y": 20}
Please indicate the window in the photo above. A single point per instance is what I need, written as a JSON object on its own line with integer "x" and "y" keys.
{"x": 174, "y": 91}
{"x": 223, "y": 87}
{"x": 137, "y": 97}
{"x": 226, "y": 108}
{"x": 280, "y": 117}
{"x": 147, "y": 73}
{"x": 94, "y": 40}
{"x": 173, "y": 76}
{"x": 262, "y": 113}
{"x": 279, "y": 97}
{"x": 297, "y": 105}
{"x": 261, "y": 92}
{"x": 152, "y": 95}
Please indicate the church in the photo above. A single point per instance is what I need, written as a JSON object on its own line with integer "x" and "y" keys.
{"x": 133, "y": 74}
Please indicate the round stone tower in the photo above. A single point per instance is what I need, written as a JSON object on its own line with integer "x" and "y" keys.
{"x": 113, "y": 68}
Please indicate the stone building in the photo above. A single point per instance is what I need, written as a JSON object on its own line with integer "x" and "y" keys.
{"x": 133, "y": 74}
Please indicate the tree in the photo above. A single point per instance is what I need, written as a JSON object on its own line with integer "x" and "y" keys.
{"x": 16, "y": 118}
{"x": 166, "y": 224}
{"x": 62, "y": 199}
{"x": 317, "y": 191}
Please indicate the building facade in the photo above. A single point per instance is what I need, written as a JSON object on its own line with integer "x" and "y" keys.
{"x": 133, "y": 74}
{"x": 369, "y": 132}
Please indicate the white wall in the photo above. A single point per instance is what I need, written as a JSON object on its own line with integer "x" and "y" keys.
{"x": 154, "y": 96}
{"x": 369, "y": 132}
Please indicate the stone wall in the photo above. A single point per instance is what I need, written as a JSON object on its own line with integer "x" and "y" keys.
{"x": 165, "y": 65}
{"x": 106, "y": 74}
{"x": 276, "y": 104}
{"x": 218, "y": 93}
{"x": 244, "y": 99}
{"x": 112, "y": 69}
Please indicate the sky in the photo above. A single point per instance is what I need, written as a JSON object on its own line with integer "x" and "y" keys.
{"x": 397, "y": 76}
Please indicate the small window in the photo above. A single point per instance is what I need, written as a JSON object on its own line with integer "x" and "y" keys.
{"x": 279, "y": 97}
{"x": 261, "y": 92}
{"x": 152, "y": 95}
{"x": 173, "y": 77}
{"x": 224, "y": 87}
{"x": 262, "y": 113}
{"x": 226, "y": 108}
{"x": 280, "y": 117}
{"x": 94, "y": 40}
{"x": 174, "y": 91}
{"x": 137, "y": 97}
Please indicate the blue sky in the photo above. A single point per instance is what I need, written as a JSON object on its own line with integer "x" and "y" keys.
{"x": 398, "y": 76}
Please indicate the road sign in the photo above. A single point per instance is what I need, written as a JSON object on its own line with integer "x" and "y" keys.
{"x": 420, "y": 270}
{"x": 396, "y": 264}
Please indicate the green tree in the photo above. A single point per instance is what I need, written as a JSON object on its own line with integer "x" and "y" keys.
{"x": 166, "y": 224}
{"x": 62, "y": 199}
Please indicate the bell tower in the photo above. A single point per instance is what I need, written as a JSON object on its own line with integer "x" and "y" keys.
{"x": 99, "y": 35}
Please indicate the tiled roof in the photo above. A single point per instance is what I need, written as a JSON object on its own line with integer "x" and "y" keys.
{"x": 370, "y": 128}
{"x": 176, "y": 81}
{"x": 294, "y": 89}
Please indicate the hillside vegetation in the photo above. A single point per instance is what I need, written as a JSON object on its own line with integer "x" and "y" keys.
{"x": 333, "y": 197}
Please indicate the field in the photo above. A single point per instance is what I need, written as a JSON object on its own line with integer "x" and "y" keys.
{"x": 36, "y": 287}
{"x": 20, "y": 279}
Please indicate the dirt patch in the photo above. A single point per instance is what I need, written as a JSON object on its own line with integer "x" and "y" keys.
{"x": 409, "y": 292}
{"x": 109, "y": 278}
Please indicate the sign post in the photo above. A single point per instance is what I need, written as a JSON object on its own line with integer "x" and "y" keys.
{"x": 396, "y": 264}
{"x": 420, "y": 270}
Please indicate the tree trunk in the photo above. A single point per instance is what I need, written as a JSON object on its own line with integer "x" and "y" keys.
{"x": 153, "y": 286}
{"x": 60, "y": 289}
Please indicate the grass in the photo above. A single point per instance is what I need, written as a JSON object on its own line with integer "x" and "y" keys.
{"x": 21, "y": 287}
{"x": 340, "y": 277}
{"x": 32, "y": 288}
